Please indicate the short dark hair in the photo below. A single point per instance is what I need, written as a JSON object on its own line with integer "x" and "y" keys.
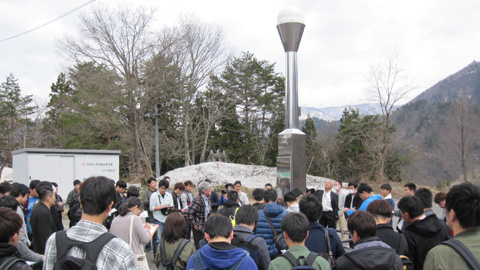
{"x": 175, "y": 227}
{"x": 76, "y": 182}
{"x": 44, "y": 189}
{"x": 19, "y": 190}
{"x": 340, "y": 182}
{"x": 364, "y": 187}
{"x": 246, "y": 214}
{"x": 237, "y": 183}
{"x": 386, "y": 186}
{"x": 232, "y": 195}
{"x": 55, "y": 184}
{"x": 218, "y": 225}
{"x": 411, "y": 186}
{"x": 188, "y": 183}
{"x": 464, "y": 199}
{"x": 33, "y": 184}
{"x": 310, "y": 190}
{"x": 133, "y": 192}
{"x": 9, "y": 202}
{"x": 439, "y": 197}
{"x": 295, "y": 225}
{"x": 353, "y": 184}
{"x": 380, "y": 208}
{"x": 96, "y": 194}
{"x": 166, "y": 177}
{"x": 179, "y": 185}
{"x": 363, "y": 223}
{"x": 150, "y": 180}
{"x": 268, "y": 185}
{"x": 289, "y": 197}
{"x": 121, "y": 183}
{"x": 258, "y": 194}
{"x": 228, "y": 185}
{"x": 270, "y": 196}
{"x": 411, "y": 205}
{"x": 311, "y": 207}
{"x": 163, "y": 183}
{"x": 130, "y": 203}
{"x": 10, "y": 224}
{"x": 425, "y": 196}
{"x": 297, "y": 192}
{"x": 5, "y": 187}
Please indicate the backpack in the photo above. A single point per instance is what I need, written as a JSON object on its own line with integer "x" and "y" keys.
{"x": 246, "y": 245}
{"x": 92, "y": 249}
{"x": 199, "y": 265}
{"x": 307, "y": 264}
{"x": 9, "y": 262}
{"x": 466, "y": 254}
{"x": 328, "y": 254}
{"x": 171, "y": 265}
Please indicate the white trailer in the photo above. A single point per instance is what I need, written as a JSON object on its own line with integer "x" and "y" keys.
{"x": 63, "y": 166}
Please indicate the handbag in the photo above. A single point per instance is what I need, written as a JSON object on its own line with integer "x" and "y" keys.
{"x": 328, "y": 254}
{"x": 167, "y": 210}
{"x": 140, "y": 259}
{"x": 279, "y": 239}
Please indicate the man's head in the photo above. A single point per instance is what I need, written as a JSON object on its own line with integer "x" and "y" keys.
{"x": 5, "y": 188}
{"x": 188, "y": 185}
{"x": 218, "y": 228}
{"x": 237, "y": 186}
{"x": 268, "y": 186}
{"x": 168, "y": 179}
{"x": 409, "y": 189}
{"x": 311, "y": 207}
{"x": 76, "y": 185}
{"x": 179, "y": 188}
{"x": 97, "y": 195}
{"x": 353, "y": 186}
{"x": 411, "y": 208}
{"x": 9, "y": 202}
{"x": 45, "y": 193}
{"x": 328, "y": 185}
{"x": 385, "y": 189}
{"x": 205, "y": 189}
{"x": 338, "y": 185}
{"x": 290, "y": 198}
{"x": 361, "y": 224}
{"x": 425, "y": 196}
{"x": 365, "y": 191}
{"x": 295, "y": 228}
{"x": 381, "y": 211}
{"x": 440, "y": 199}
{"x": 33, "y": 188}
{"x": 270, "y": 196}
{"x": 463, "y": 206}
{"x": 163, "y": 186}
{"x": 120, "y": 186}
{"x": 133, "y": 192}
{"x": 258, "y": 195}
{"x": 10, "y": 225}
{"x": 20, "y": 192}
{"x": 152, "y": 183}
{"x": 55, "y": 187}
{"x": 229, "y": 186}
{"x": 232, "y": 195}
{"x": 246, "y": 215}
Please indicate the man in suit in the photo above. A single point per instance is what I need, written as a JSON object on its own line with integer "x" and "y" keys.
{"x": 41, "y": 219}
{"x": 329, "y": 201}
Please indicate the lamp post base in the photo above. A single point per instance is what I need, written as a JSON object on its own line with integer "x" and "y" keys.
{"x": 291, "y": 161}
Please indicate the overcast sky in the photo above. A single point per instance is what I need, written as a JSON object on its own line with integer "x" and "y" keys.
{"x": 436, "y": 37}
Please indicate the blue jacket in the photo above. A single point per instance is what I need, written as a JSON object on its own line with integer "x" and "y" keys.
{"x": 315, "y": 241}
{"x": 366, "y": 203}
{"x": 222, "y": 255}
{"x": 276, "y": 213}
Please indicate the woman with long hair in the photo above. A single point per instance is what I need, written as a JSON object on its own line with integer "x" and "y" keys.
{"x": 174, "y": 242}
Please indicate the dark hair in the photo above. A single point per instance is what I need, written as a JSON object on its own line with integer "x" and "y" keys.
{"x": 258, "y": 194}
{"x": 33, "y": 184}
{"x": 44, "y": 189}
{"x": 10, "y": 224}
{"x": 289, "y": 197}
{"x": 270, "y": 196}
{"x": 5, "y": 187}
{"x": 340, "y": 182}
{"x": 364, "y": 187}
{"x": 150, "y": 180}
{"x": 411, "y": 205}
{"x": 353, "y": 183}
{"x": 268, "y": 185}
{"x": 297, "y": 192}
{"x": 180, "y": 186}
{"x": 9, "y": 202}
{"x": 96, "y": 195}
{"x": 218, "y": 225}
{"x": 55, "y": 184}
{"x": 439, "y": 197}
{"x": 310, "y": 190}
{"x": 232, "y": 195}
{"x": 426, "y": 196}
{"x": 166, "y": 177}
{"x": 363, "y": 223}
{"x": 237, "y": 183}
{"x": 380, "y": 208}
{"x": 411, "y": 186}
{"x": 246, "y": 214}
{"x": 130, "y": 203}
{"x": 295, "y": 225}
{"x": 76, "y": 182}
{"x": 464, "y": 199}
{"x": 121, "y": 183}
{"x": 188, "y": 183}
{"x": 175, "y": 227}
{"x": 311, "y": 207}
{"x": 133, "y": 192}
{"x": 386, "y": 186}
{"x": 19, "y": 189}
{"x": 163, "y": 183}
{"x": 229, "y": 185}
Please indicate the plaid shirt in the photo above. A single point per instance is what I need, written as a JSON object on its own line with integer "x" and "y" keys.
{"x": 196, "y": 213}
{"x": 116, "y": 254}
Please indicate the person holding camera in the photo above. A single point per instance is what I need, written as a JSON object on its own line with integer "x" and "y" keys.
{"x": 161, "y": 202}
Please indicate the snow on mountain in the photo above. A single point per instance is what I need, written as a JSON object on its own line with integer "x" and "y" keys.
{"x": 335, "y": 113}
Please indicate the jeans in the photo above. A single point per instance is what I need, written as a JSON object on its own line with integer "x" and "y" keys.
{"x": 157, "y": 236}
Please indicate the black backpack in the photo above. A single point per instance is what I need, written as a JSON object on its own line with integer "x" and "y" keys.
{"x": 92, "y": 250}
{"x": 7, "y": 262}
{"x": 307, "y": 264}
{"x": 171, "y": 265}
{"x": 246, "y": 245}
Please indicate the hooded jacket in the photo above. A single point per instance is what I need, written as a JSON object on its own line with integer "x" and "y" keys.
{"x": 422, "y": 235}
{"x": 229, "y": 209}
{"x": 395, "y": 240}
{"x": 370, "y": 253}
{"x": 7, "y": 250}
{"x": 222, "y": 255}
{"x": 276, "y": 214}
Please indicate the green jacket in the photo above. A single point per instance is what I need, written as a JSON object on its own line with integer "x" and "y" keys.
{"x": 282, "y": 263}
{"x": 444, "y": 257}
{"x": 170, "y": 249}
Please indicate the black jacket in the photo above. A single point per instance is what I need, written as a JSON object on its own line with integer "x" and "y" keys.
{"x": 228, "y": 209}
{"x": 214, "y": 201}
{"x": 392, "y": 238}
{"x": 333, "y": 201}
{"x": 6, "y": 251}
{"x": 177, "y": 202}
{"x": 422, "y": 235}
{"x": 42, "y": 227}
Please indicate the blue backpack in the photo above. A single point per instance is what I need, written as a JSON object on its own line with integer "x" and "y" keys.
{"x": 246, "y": 245}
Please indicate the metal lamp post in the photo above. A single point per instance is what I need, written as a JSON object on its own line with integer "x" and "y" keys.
{"x": 291, "y": 160}
{"x": 157, "y": 151}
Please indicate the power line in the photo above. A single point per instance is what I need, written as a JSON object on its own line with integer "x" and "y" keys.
{"x": 51, "y": 21}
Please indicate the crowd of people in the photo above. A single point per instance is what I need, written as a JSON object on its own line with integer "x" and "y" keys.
{"x": 335, "y": 227}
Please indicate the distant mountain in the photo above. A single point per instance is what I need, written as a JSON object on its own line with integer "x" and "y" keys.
{"x": 335, "y": 113}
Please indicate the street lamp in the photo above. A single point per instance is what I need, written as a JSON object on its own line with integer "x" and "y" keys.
{"x": 291, "y": 160}
{"x": 157, "y": 151}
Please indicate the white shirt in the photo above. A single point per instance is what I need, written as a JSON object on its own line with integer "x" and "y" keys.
{"x": 327, "y": 201}
{"x": 156, "y": 201}
{"x": 242, "y": 196}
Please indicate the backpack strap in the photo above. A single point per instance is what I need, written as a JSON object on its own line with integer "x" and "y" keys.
{"x": 464, "y": 252}
{"x": 250, "y": 238}
{"x": 163, "y": 253}
{"x": 178, "y": 251}
{"x": 271, "y": 224}
{"x": 290, "y": 258}
{"x": 10, "y": 261}
{"x": 310, "y": 259}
